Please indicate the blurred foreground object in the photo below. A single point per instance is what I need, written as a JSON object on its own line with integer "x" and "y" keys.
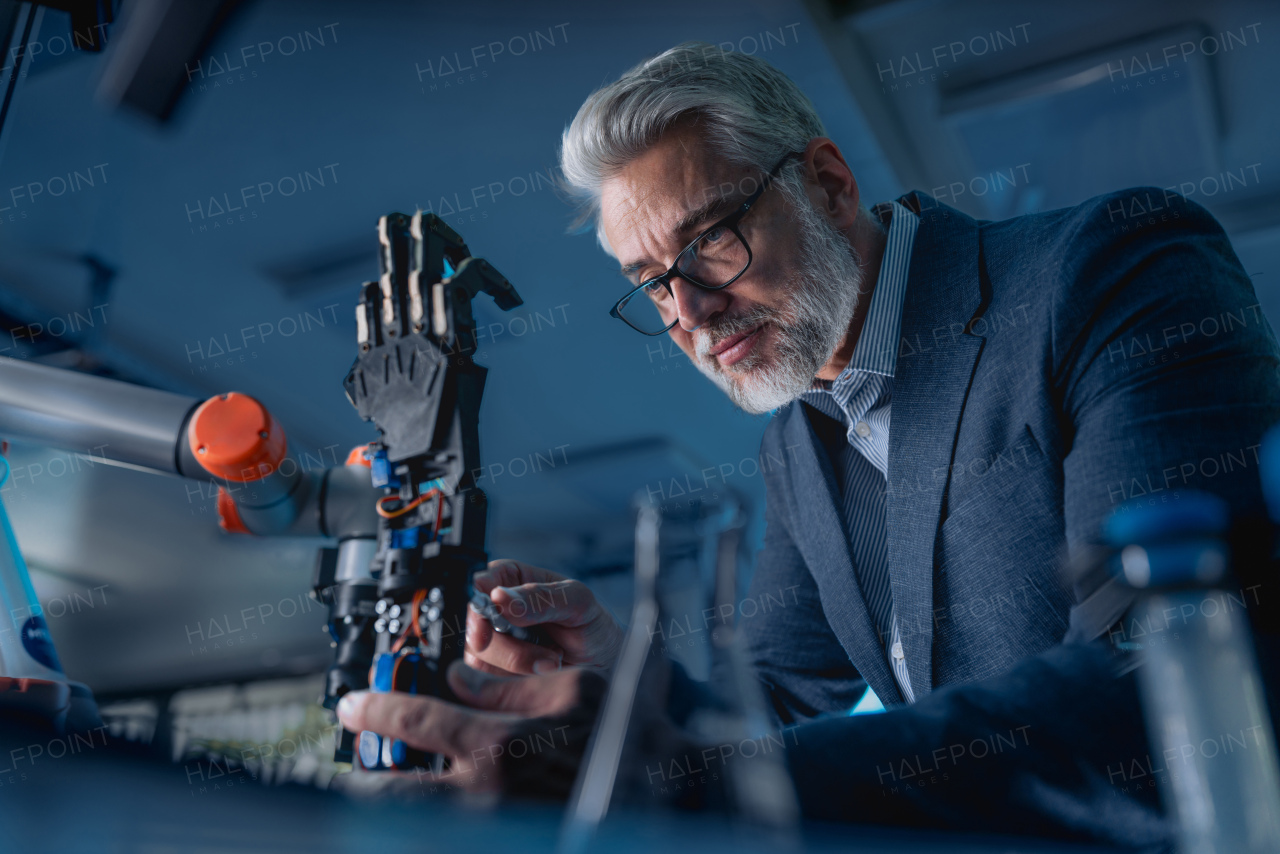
{"x": 725, "y": 759}
{"x": 32, "y": 683}
{"x": 1203, "y": 694}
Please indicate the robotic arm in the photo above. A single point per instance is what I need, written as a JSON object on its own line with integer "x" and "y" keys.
{"x": 230, "y": 439}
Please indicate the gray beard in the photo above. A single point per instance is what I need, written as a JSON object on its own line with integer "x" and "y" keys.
{"x": 824, "y": 292}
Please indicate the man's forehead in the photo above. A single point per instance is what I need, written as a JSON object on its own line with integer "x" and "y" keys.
{"x": 627, "y": 205}
{"x": 653, "y": 183}
{"x": 658, "y": 189}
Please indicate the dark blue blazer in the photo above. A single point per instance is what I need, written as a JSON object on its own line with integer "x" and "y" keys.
{"x": 1050, "y": 368}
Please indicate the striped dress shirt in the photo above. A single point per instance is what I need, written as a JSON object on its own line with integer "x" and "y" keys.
{"x": 860, "y": 399}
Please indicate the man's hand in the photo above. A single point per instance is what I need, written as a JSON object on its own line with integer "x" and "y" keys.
{"x": 585, "y": 634}
{"x": 519, "y": 729}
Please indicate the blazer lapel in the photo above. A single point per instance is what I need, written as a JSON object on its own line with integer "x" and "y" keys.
{"x": 935, "y": 367}
{"x": 821, "y": 538}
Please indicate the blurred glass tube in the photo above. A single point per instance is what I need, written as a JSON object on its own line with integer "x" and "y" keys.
{"x": 1203, "y": 695}
{"x": 31, "y": 676}
{"x": 757, "y": 788}
{"x": 1207, "y": 715}
{"x": 726, "y": 761}
{"x": 26, "y": 651}
{"x": 593, "y": 789}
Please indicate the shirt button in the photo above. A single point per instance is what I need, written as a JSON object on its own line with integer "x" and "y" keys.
{"x": 862, "y": 429}
{"x": 897, "y": 651}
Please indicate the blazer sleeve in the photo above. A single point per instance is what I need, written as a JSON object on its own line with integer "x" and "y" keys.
{"x": 1055, "y": 747}
{"x": 1164, "y": 369}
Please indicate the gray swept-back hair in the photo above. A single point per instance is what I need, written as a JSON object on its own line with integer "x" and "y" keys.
{"x": 748, "y": 111}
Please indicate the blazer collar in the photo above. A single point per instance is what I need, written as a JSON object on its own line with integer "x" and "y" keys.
{"x": 822, "y": 541}
{"x": 935, "y": 368}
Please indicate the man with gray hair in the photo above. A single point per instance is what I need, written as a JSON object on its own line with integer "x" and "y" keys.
{"x": 962, "y": 402}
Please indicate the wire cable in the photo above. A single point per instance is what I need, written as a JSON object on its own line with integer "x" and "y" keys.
{"x": 400, "y": 511}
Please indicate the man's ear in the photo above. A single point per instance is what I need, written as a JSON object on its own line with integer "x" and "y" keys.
{"x": 832, "y": 187}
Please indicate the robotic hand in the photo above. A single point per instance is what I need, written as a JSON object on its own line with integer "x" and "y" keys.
{"x": 404, "y": 609}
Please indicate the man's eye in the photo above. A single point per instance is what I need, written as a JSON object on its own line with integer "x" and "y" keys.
{"x": 655, "y": 290}
{"x": 715, "y": 235}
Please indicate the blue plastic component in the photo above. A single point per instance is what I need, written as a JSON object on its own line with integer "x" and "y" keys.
{"x": 383, "y": 670}
{"x": 405, "y": 539}
{"x": 448, "y": 268}
{"x": 380, "y": 471}
{"x": 1194, "y": 514}
{"x": 399, "y": 750}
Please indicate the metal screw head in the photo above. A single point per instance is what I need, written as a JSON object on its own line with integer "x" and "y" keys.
{"x": 380, "y": 626}
{"x": 200, "y": 450}
{"x": 433, "y": 614}
{"x": 393, "y": 611}
{"x": 380, "y": 607}
{"x": 347, "y": 620}
{"x": 393, "y": 627}
{"x": 263, "y": 434}
{"x": 435, "y": 595}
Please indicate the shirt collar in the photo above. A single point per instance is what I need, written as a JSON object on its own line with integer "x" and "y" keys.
{"x": 877, "y": 349}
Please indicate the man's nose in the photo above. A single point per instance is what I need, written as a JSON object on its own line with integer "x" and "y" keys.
{"x": 695, "y": 305}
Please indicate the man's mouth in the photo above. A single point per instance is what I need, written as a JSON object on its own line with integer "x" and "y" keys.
{"x": 736, "y": 347}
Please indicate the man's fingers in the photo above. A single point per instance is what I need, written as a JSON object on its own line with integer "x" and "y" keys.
{"x": 510, "y": 573}
{"x": 515, "y": 656}
{"x": 529, "y": 696}
{"x": 479, "y": 631}
{"x": 426, "y": 723}
{"x": 566, "y": 602}
{"x": 478, "y": 663}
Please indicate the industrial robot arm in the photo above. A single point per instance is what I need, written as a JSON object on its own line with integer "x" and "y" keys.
{"x": 230, "y": 440}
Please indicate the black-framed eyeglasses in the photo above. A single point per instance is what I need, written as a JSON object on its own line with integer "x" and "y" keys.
{"x": 715, "y": 259}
